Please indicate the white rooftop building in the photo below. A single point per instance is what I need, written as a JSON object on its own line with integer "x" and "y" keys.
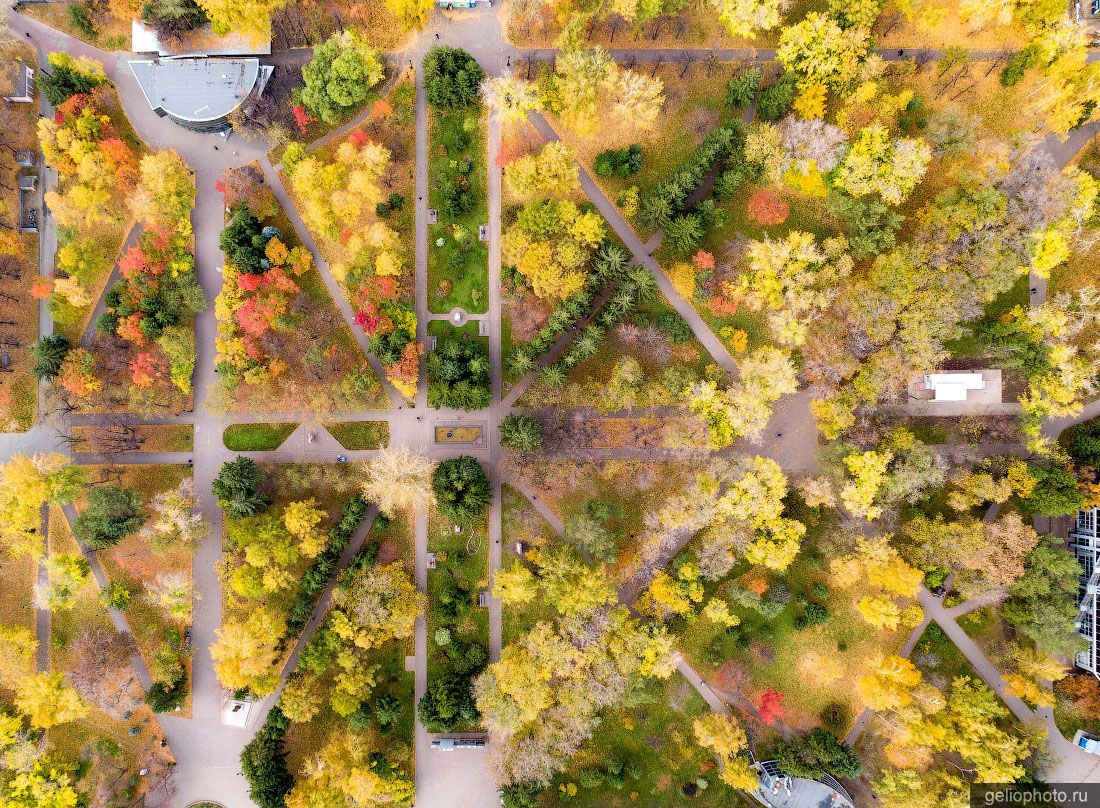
{"x": 953, "y": 386}
{"x": 200, "y": 42}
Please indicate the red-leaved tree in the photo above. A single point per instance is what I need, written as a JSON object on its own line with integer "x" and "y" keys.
{"x": 765, "y": 208}
{"x": 770, "y": 705}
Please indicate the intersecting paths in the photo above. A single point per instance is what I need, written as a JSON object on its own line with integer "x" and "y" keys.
{"x": 208, "y": 753}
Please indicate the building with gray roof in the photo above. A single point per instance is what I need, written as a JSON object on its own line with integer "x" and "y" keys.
{"x": 199, "y": 93}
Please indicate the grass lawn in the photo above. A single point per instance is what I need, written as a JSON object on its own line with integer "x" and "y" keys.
{"x": 461, "y": 262}
{"x": 972, "y": 345}
{"x": 153, "y": 438}
{"x": 1069, "y": 719}
{"x": 256, "y": 437}
{"x": 108, "y": 32}
{"x": 466, "y": 557}
{"x": 17, "y": 578}
{"x": 132, "y": 561}
{"x": 654, "y": 739}
{"x": 355, "y": 435}
{"x": 940, "y": 659}
{"x": 585, "y": 382}
{"x": 303, "y": 740}
{"x": 776, "y": 654}
{"x": 986, "y": 628}
{"x": 18, "y": 387}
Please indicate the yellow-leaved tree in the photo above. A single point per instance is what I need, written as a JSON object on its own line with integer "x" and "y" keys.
{"x": 246, "y": 652}
{"x": 723, "y": 736}
{"x": 26, "y": 484}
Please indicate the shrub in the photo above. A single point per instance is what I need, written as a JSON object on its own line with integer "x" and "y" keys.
{"x": 165, "y": 697}
{"x": 815, "y": 614}
{"x": 117, "y": 596}
{"x": 834, "y": 714}
{"x": 675, "y": 327}
{"x": 766, "y": 209}
{"x": 619, "y": 162}
{"x": 521, "y": 433}
{"x": 81, "y": 20}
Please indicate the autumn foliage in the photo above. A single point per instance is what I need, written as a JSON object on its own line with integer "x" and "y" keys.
{"x": 766, "y": 209}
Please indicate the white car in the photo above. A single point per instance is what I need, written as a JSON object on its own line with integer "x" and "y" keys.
{"x": 1087, "y": 742}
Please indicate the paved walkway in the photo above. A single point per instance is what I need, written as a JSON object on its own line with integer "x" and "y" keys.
{"x": 208, "y": 753}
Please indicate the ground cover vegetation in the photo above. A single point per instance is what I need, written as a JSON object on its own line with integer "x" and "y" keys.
{"x": 352, "y": 195}
{"x": 280, "y": 338}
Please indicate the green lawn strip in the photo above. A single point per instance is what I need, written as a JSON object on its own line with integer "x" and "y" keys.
{"x": 470, "y": 569}
{"x": 469, "y": 272}
{"x": 653, "y": 738}
{"x": 17, "y": 578}
{"x": 256, "y": 437}
{"x": 24, "y": 402}
{"x": 359, "y": 435}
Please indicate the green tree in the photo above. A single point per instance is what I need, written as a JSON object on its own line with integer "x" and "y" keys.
{"x": 522, "y": 433}
{"x": 68, "y": 76}
{"x": 461, "y": 488}
{"x": 818, "y": 753}
{"x": 49, "y": 353}
{"x": 1042, "y": 603}
{"x": 112, "y": 513}
{"x": 588, "y": 531}
{"x": 341, "y": 75}
{"x": 742, "y": 88}
{"x": 237, "y": 487}
{"x": 263, "y": 763}
{"x": 684, "y": 233}
{"x": 243, "y": 242}
{"x": 1055, "y": 493}
{"x": 1083, "y": 443}
{"x": 452, "y": 77}
{"x": 171, "y": 18}
{"x": 446, "y": 702}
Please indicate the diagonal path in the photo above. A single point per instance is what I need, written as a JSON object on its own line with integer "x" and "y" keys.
{"x": 304, "y": 235}
{"x": 636, "y": 248}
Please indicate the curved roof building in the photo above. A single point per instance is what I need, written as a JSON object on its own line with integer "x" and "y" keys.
{"x": 199, "y": 93}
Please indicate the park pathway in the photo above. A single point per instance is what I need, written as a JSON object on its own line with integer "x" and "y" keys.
{"x": 208, "y": 753}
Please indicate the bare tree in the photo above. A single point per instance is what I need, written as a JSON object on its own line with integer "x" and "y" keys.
{"x": 101, "y": 671}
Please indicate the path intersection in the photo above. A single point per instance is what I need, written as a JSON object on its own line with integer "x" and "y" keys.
{"x": 207, "y": 753}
